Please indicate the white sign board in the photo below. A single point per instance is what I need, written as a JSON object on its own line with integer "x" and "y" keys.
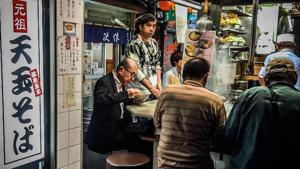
{"x": 199, "y": 44}
{"x": 21, "y": 91}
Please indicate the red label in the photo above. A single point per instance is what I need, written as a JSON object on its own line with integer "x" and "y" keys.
{"x": 20, "y": 16}
{"x": 35, "y": 80}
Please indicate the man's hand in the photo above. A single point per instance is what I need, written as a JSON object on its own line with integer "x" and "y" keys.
{"x": 159, "y": 87}
{"x": 133, "y": 92}
{"x": 155, "y": 92}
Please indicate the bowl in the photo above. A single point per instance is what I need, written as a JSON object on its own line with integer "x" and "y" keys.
{"x": 141, "y": 98}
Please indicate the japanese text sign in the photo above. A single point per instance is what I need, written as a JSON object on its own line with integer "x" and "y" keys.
{"x": 21, "y": 96}
{"x": 99, "y": 34}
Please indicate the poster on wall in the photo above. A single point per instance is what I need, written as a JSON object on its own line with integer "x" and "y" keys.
{"x": 70, "y": 11}
{"x": 21, "y": 94}
{"x": 68, "y": 55}
{"x": 199, "y": 44}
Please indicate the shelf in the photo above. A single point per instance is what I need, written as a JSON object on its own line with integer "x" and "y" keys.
{"x": 233, "y": 31}
{"x": 239, "y": 48}
{"x": 250, "y": 77}
{"x": 239, "y": 61}
{"x": 236, "y": 12}
{"x": 295, "y": 15}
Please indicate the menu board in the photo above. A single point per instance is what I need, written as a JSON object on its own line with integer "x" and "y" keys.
{"x": 199, "y": 44}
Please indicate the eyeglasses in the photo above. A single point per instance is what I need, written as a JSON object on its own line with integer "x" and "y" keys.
{"x": 132, "y": 74}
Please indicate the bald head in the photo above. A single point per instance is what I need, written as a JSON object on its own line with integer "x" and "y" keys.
{"x": 127, "y": 70}
{"x": 128, "y": 63}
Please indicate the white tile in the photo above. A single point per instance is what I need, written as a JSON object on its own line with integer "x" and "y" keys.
{"x": 74, "y": 154}
{"x": 155, "y": 145}
{"x": 155, "y": 165}
{"x": 62, "y": 139}
{"x": 78, "y": 100}
{"x": 62, "y": 121}
{"x": 79, "y": 62}
{"x": 60, "y": 85}
{"x": 75, "y": 165}
{"x": 60, "y": 105}
{"x": 75, "y": 118}
{"x": 62, "y": 158}
{"x": 78, "y": 83}
{"x": 74, "y": 136}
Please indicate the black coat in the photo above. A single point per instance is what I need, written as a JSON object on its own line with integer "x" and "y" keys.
{"x": 105, "y": 130}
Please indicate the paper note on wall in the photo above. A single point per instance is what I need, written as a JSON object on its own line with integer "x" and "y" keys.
{"x": 69, "y": 91}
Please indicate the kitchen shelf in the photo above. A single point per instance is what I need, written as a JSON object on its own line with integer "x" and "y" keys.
{"x": 239, "y": 60}
{"x": 250, "y": 77}
{"x": 236, "y": 12}
{"x": 230, "y": 30}
{"x": 239, "y": 48}
{"x": 295, "y": 15}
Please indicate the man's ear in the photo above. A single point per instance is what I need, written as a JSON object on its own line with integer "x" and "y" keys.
{"x": 276, "y": 46}
{"x": 295, "y": 78}
{"x": 205, "y": 79}
{"x": 267, "y": 80}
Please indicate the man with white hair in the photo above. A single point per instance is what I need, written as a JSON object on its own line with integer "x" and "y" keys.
{"x": 286, "y": 49}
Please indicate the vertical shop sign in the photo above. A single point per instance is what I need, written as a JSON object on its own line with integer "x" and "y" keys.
{"x": 20, "y": 16}
{"x": 21, "y": 96}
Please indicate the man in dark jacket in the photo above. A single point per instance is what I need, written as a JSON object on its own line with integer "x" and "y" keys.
{"x": 263, "y": 127}
{"x": 105, "y": 132}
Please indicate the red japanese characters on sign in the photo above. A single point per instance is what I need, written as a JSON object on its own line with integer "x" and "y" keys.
{"x": 35, "y": 80}
{"x": 20, "y": 16}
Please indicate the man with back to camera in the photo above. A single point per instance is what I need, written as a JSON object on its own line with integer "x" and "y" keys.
{"x": 286, "y": 47}
{"x": 173, "y": 76}
{"x": 105, "y": 133}
{"x": 191, "y": 118}
{"x": 262, "y": 130}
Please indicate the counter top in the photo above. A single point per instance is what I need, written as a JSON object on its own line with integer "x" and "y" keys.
{"x": 145, "y": 109}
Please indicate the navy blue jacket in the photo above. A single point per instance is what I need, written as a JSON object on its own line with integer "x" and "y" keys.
{"x": 105, "y": 131}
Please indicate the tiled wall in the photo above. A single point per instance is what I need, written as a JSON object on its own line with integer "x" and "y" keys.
{"x": 69, "y": 84}
{"x": 69, "y": 128}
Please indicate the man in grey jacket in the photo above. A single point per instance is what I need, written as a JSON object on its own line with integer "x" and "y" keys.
{"x": 262, "y": 130}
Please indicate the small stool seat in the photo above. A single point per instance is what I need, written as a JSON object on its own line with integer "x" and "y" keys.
{"x": 127, "y": 160}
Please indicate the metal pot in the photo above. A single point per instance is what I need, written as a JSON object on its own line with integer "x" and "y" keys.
{"x": 205, "y": 23}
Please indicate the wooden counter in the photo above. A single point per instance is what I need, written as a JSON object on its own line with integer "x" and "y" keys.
{"x": 145, "y": 109}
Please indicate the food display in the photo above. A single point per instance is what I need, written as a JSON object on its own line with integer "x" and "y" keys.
{"x": 198, "y": 44}
{"x": 230, "y": 19}
{"x": 204, "y": 43}
{"x": 233, "y": 27}
{"x": 191, "y": 50}
{"x": 233, "y": 40}
{"x": 195, "y": 36}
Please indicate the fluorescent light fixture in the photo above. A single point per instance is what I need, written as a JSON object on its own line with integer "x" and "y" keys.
{"x": 120, "y": 23}
{"x": 192, "y": 4}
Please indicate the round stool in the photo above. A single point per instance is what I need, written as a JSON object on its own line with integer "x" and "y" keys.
{"x": 127, "y": 160}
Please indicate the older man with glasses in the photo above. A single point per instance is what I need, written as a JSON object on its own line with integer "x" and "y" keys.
{"x": 109, "y": 119}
